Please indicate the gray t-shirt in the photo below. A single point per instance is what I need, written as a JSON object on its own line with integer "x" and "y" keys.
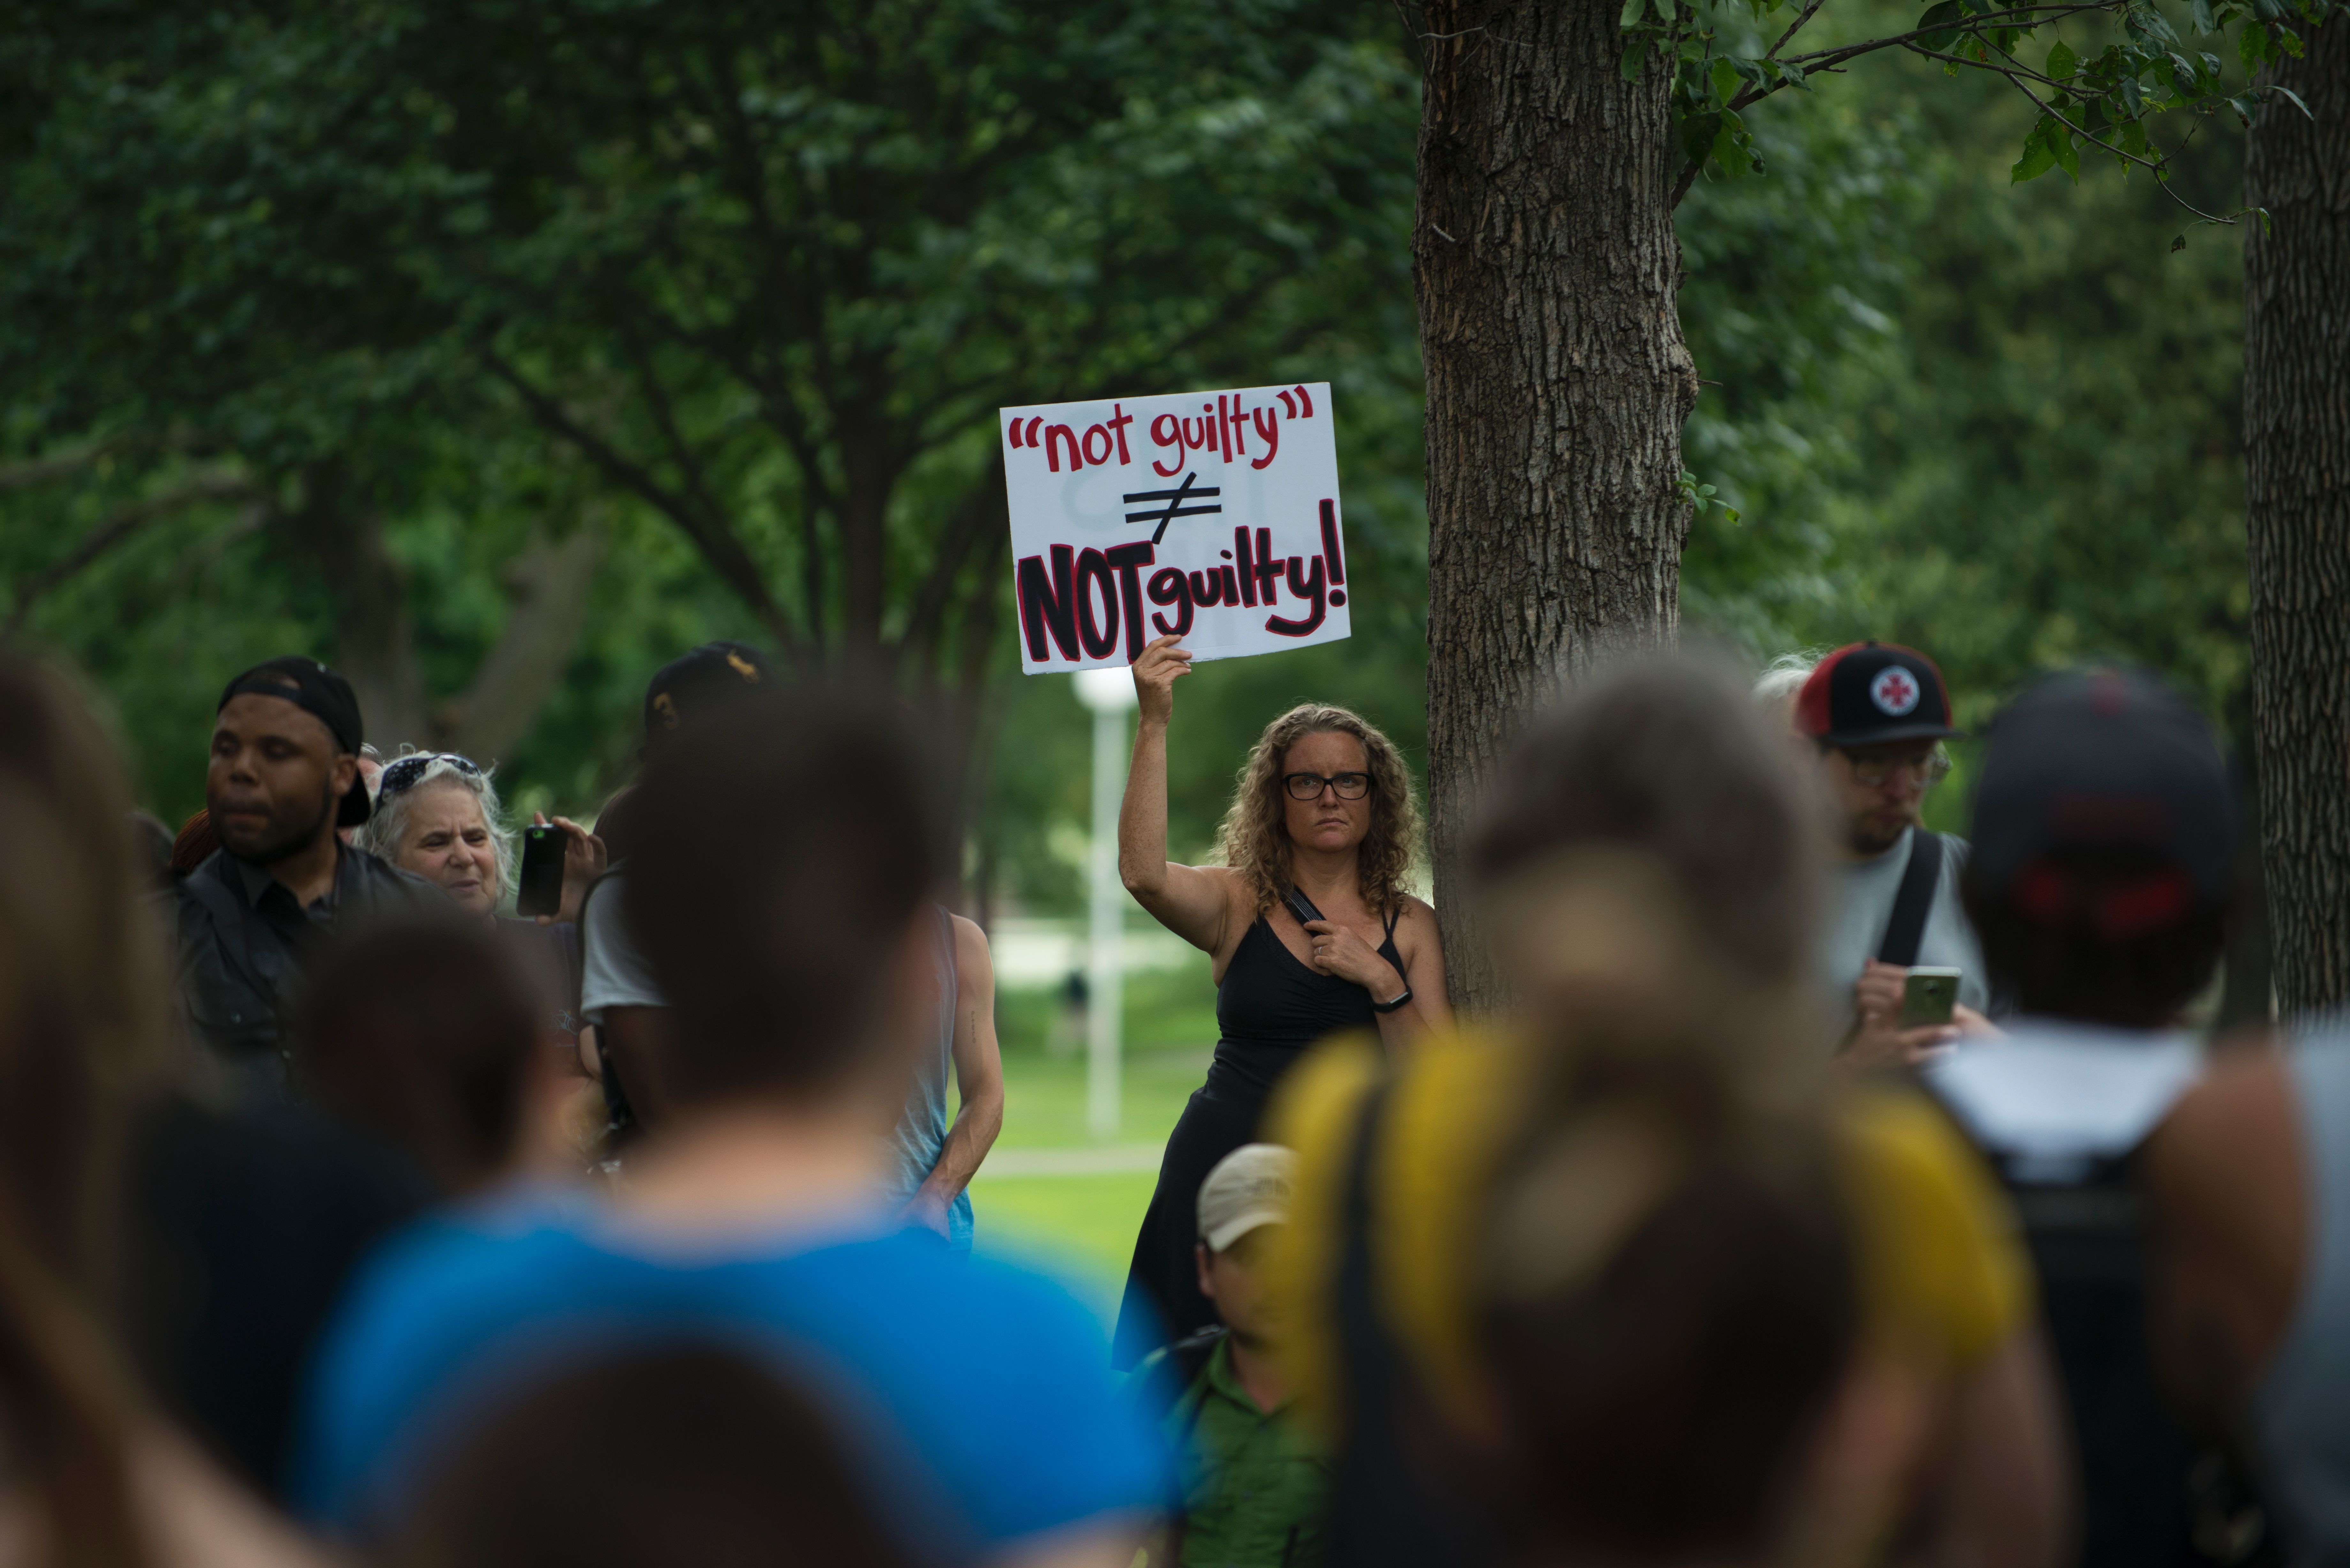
{"x": 613, "y": 974}
{"x": 1860, "y": 903}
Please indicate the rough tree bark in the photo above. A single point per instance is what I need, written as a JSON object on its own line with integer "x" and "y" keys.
{"x": 1558, "y": 381}
{"x": 375, "y": 644}
{"x": 2297, "y": 514}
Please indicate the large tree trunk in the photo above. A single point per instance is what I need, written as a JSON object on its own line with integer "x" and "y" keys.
{"x": 375, "y": 644}
{"x": 1557, "y": 383}
{"x": 2297, "y": 514}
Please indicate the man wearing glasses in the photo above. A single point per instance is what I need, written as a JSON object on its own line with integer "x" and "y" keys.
{"x": 1873, "y": 717}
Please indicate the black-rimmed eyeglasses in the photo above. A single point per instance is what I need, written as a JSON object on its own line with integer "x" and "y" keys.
{"x": 1309, "y": 786}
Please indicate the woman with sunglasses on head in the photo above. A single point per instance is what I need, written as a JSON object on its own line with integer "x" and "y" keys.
{"x": 437, "y": 815}
{"x": 1311, "y": 932}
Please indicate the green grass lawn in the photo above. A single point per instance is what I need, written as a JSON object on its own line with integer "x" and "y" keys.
{"x": 1083, "y": 1226}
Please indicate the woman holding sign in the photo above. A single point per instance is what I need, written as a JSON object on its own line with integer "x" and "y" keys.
{"x": 1311, "y": 931}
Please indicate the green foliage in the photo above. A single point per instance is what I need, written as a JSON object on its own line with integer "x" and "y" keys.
{"x": 2019, "y": 451}
{"x": 2100, "y": 101}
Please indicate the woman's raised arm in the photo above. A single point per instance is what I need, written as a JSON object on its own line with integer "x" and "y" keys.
{"x": 1192, "y": 902}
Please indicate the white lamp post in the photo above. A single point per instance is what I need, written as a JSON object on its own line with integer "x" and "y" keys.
{"x": 1111, "y": 694}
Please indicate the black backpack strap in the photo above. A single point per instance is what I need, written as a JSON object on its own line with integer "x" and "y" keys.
{"x": 1914, "y": 900}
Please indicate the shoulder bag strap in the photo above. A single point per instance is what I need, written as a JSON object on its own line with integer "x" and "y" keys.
{"x": 1914, "y": 901}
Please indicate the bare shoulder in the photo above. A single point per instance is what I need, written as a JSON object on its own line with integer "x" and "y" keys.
{"x": 1417, "y": 917}
{"x": 970, "y": 943}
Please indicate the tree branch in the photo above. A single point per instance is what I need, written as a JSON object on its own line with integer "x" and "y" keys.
{"x": 720, "y": 549}
{"x": 118, "y": 529}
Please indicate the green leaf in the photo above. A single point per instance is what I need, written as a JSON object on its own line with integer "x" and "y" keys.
{"x": 1633, "y": 11}
{"x": 2179, "y": 243}
{"x": 2253, "y": 47}
{"x": 1749, "y": 71}
{"x": 1634, "y": 60}
{"x": 2204, "y": 22}
{"x": 2038, "y": 158}
{"x": 2294, "y": 98}
{"x": 2068, "y": 156}
{"x": 1794, "y": 76}
{"x": 1664, "y": 11}
{"x": 1725, "y": 81}
{"x": 2133, "y": 97}
{"x": 1697, "y": 134}
{"x": 2063, "y": 63}
{"x": 1940, "y": 42}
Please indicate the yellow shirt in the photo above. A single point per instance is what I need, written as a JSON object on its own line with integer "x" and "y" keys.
{"x": 1943, "y": 1280}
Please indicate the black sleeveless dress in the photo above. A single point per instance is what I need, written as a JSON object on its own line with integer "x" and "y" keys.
{"x": 1269, "y": 1009}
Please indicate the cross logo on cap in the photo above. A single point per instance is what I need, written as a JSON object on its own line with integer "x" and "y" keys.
{"x": 1893, "y": 691}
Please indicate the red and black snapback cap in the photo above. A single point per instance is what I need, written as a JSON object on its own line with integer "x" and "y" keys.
{"x": 1869, "y": 693}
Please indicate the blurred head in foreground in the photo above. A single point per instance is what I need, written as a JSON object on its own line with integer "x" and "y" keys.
{"x": 781, "y": 866}
{"x": 428, "y": 1039}
{"x": 685, "y": 1454}
{"x": 2105, "y": 850}
{"x": 1667, "y": 1297}
{"x": 79, "y": 1019}
{"x": 1647, "y": 858}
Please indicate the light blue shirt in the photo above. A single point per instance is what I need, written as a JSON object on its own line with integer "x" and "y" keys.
{"x": 978, "y": 1395}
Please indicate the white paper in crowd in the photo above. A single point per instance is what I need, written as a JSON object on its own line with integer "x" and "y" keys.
{"x": 1212, "y": 515}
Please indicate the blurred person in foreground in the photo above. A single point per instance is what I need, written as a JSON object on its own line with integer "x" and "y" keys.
{"x": 2188, "y": 1212}
{"x": 437, "y": 816}
{"x": 694, "y": 1453}
{"x": 1256, "y": 1484}
{"x": 1324, "y": 809}
{"x": 624, "y": 1016}
{"x": 431, "y": 1042}
{"x": 933, "y": 1157}
{"x": 1869, "y": 720}
{"x": 1647, "y": 873}
{"x": 284, "y": 775}
{"x": 781, "y": 883}
{"x": 95, "y": 1480}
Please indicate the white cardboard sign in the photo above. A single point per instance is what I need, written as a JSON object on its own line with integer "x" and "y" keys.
{"x": 1210, "y": 514}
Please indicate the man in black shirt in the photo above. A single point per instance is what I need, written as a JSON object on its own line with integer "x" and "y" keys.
{"x": 285, "y": 773}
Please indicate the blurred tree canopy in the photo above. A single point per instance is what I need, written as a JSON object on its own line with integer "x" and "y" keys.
{"x": 495, "y": 349}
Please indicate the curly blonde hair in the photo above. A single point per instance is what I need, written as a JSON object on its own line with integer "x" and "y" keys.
{"x": 1254, "y": 838}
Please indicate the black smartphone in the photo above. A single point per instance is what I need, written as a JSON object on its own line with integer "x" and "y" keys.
{"x": 1301, "y": 906}
{"x": 539, "y": 890}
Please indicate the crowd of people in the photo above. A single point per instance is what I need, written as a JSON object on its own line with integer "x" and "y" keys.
{"x": 1809, "y": 1188}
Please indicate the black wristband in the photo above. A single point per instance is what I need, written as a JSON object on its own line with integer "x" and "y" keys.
{"x": 1399, "y": 1001}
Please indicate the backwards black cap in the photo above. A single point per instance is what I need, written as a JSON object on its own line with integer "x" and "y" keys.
{"x": 2104, "y": 759}
{"x": 326, "y": 697}
{"x": 693, "y": 685}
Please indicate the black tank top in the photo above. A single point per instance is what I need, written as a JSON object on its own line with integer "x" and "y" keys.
{"x": 1272, "y": 1006}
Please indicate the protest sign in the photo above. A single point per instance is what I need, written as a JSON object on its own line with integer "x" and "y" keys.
{"x": 1212, "y": 515}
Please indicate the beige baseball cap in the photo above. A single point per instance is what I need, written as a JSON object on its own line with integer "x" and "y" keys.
{"x": 1250, "y": 1186}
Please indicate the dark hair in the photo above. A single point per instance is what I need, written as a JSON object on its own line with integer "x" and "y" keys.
{"x": 685, "y": 1454}
{"x": 777, "y": 860}
{"x": 81, "y": 1019}
{"x": 2104, "y": 935}
{"x": 1666, "y": 1323}
{"x": 421, "y": 1035}
{"x": 1666, "y": 755}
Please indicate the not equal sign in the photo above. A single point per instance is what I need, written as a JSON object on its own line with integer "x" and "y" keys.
{"x": 1174, "y": 508}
